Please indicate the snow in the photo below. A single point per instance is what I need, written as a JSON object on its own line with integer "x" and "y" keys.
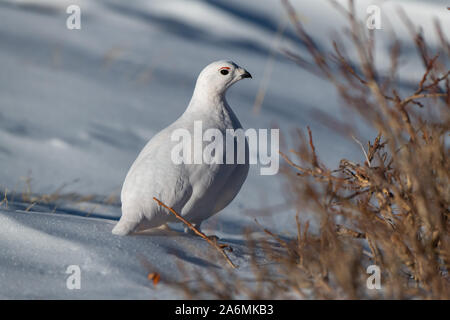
{"x": 37, "y": 249}
{"x": 76, "y": 107}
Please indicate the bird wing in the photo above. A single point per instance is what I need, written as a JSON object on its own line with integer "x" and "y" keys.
{"x": 153, "y": 174}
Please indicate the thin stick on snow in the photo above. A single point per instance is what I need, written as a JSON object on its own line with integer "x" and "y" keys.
{"x": 198, "y": 232}
{"x": 5, "y": 200}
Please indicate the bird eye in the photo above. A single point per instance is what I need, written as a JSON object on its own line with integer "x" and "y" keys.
{"x": 224, "y": 72}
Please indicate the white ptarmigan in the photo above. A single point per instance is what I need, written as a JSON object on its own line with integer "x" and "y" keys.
{"x": 195, "y": 191}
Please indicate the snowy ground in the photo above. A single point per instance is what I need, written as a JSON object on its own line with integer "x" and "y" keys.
{"x": 76, "y": 106}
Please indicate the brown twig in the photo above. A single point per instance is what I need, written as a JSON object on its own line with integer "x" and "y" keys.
{"x": 421, "y": 96}
{"x": 5, "y": 200}
{"x": 198, "y": 232}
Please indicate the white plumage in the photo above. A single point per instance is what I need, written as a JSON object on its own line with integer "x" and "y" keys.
{"x": 196, "y": 191}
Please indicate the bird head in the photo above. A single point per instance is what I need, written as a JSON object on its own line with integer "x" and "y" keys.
{"x": 217, "y": 77}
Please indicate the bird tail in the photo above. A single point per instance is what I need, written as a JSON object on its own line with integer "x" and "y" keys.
{"x": 125, "y": 227}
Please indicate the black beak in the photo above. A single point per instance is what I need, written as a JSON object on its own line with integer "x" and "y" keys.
{"x": 246, "y": 75}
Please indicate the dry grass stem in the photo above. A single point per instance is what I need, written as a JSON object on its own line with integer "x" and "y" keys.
{"x": 214, "y": 244}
